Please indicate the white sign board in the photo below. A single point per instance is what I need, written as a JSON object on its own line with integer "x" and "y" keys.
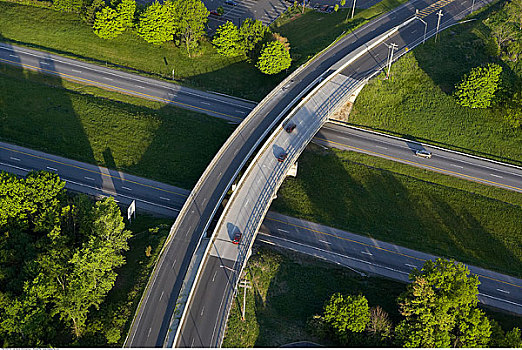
{"x": 131, "y": 210}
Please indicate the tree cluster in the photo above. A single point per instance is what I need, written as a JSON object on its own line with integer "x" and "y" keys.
{"x": 58, "y": 255}
{"x": 438, "y": 309}
{"x": 478, "y": 88}
{"x": 253, "y": 39}
{"x": 506, "y": 29}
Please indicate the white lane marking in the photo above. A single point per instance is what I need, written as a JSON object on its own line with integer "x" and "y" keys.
{"x": 161, "y": 296}
{"x": 149, "y": 332}
{"x": 367, "y": 253}
{"x": 324, "y": 241}
{"x": 410, "y": 265}
{"x": 13, "y": 158}
{"x": 202, "y": 310}
{"x": 381, "y": 147}
{"x": 205, "y": 103}
{"x": 457, "y": 166}
{"x": 141, "y": 87}
{"x": 496, "y": 176}
{"x": 280, "y": 229}
{"x": 165, "y": 198}
{"x": 13, "y": 56}
{"x": 126, "y": 188}
{"x": 191, "y": 344}
{"x": 53, "y": 169}
{"x": 45, "y": 63}
{"x": 213, "y": 278}
{"x": 240, "y": 111}
{"x": 76, "y": 70}
{"x": 174, "y": 263}
{"x": 503, "y": 291}
{"x": 500, "y": 299}
{"x": 107, "y": 78}
{"x": 88, "y": 178}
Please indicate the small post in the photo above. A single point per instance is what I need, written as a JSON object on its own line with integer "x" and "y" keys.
{"x": 353, "y": 8}
{"x": 472, "y": 6}
{"x": 438, "y": 24}
{"x": 173, "y": 74}
{"x": 245, "y": 285}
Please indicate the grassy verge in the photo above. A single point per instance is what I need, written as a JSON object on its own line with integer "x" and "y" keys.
{"x": 416, "y": 102}
{"x": 65, "y": 34}
{"x": 288, "y": 289}
{"x": 118, "y": 309}
{"x": 412, "y": 207}
{"x": 312, "y": 31}
{"x": 101, "y": 127}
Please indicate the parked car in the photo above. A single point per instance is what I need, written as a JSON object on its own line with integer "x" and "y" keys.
{"x": 214, "y": 13}
{"x": 423, "y": 153}
{"x": 230, "y": 2}
{"x": 290, "y": 127}
{"x": 281, "y": 158}
{"x": 237, "y": 237}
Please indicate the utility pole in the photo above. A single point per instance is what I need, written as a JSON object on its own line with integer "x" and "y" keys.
{"x": 438, "y": 24}
{"x": 353, "y": 8}
{"x": 245, "y": 285}
{"x": 392, "y": 48}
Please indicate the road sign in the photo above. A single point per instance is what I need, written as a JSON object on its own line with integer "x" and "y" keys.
{"x": 131, "y": 210}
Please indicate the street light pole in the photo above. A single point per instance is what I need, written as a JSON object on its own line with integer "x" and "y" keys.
{"x": 353, "y": 8}
{"x": 438, "y": 24}
{"x": 392, "y": 47}
{"x": 425, "y": 25}
{"x": 245, "y": 285}
{"x": 472, "y": 6}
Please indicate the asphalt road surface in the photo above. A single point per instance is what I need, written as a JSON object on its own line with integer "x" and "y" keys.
{"x": 216, "y": 105}
{"x": 337, "y": 246}
{"x": 201, "y": 327}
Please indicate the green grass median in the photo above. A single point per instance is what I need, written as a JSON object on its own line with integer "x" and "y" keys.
{"x": 101, "y": 127}
{"x": 412, "y": 207}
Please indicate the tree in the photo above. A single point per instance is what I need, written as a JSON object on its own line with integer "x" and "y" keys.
{"x": 514, "y": 11}
{"x": 156, "y": 25}
{"x": 347, "y": 313}
{"x": 477, "y": 89}
{"x": 126, "y": 10}
{"x": 274, "y": 58}
{"x": 379, "y": 324}
{"x": 513, "y": 339}
{"x": 252, "y": 32}
{"x": 228, "y": 41}
{"x": 190, "y": 18}
{"x": 89, "y": 11}
{"x": 108, "y": 24}
{"x": 439, "y": 307}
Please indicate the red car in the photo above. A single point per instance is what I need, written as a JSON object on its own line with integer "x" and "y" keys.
{"x": 281, "y": 158}
{"x": 214, "y": 13}
{"x": 290, "y": 127}
{"x": 237, "y": 238}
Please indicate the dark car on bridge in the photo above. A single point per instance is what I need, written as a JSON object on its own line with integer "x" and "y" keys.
{"x": 237, "y": 238}
{"x": 290, "y": 127}
{"x": 281, "y": 158}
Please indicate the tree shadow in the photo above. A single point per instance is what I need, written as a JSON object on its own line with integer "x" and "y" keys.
{"x": 400, "y": 209}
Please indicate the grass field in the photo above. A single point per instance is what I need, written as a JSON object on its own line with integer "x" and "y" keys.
{"x": 118, "y": 309}
{"x": 288, "y": 289}
{"x": 412, "y": 207}
{"x": 417, "y": 103}
{"x": 101, "y": 127}
{"x": 65, "y": 34}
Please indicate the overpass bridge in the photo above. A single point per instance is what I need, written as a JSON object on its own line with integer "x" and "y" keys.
{"x": 209, "y": 293}
{"x": 188, "y": 256}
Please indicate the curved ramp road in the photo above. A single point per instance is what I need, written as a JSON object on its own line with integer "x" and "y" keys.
{"x": 216, "y": 105}
{"x": 204, "y": 320}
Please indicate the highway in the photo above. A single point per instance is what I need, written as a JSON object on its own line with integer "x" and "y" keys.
{"x": 333, "y": 245}
{"x": 150, "y": 329}
{"x": 213, "y": 104}
{"x": 204, "y": 319}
